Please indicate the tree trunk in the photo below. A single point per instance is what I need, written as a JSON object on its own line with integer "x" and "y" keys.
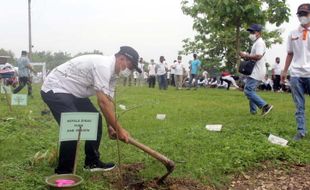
{"x": 238, "y": 26}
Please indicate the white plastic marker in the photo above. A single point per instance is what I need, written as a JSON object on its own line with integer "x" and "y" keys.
{"x": 161, "y": 116}
{"x": 123, "y": 107}
{"x": 277, "y": 140}
{"x": 214, "y": 127}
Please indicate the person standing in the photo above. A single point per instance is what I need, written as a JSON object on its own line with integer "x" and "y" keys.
{"x": 161, "y": 72}
{"x": 140, "y": 76}
{"x": 276, "y": 75}
{"x": 172, "y": 72}
{"x": 67, "y": 89}
{"x": 257, "y": 54}
{"x": 298, "y": 60}
{"x": 194, "y": 70}
{"x": 178, "y": 73}
{"x": 24, "y": 73}
{"x": 152, "y": 74}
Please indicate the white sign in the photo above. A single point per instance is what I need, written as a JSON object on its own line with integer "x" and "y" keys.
{"x": 19, "y": 100}
{"x": 161, "y": 116}
{"x": 214, "y": 127}
{"x": 123, "y": 107}
{"x": 277, "y": 140}
{"x": 6, "y": 89}
{"x": 71, "y": 122}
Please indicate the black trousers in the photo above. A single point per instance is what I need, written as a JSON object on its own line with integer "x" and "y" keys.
{"x": 22, "y": 83}
{"x": 172, "y": 82}
{"x": 59, "y": 103}
{"x": 152, "y": 81}
{"x": 276, "y": 82}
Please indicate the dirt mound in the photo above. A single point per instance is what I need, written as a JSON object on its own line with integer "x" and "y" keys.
{"x": 132, "y": 181}
{"x": 284, "y": 177}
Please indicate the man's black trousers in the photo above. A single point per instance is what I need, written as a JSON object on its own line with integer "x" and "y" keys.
{"x": 59, "y": 103}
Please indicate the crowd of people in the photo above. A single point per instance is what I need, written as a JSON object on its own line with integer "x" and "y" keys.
{"x": 186, "y": 75}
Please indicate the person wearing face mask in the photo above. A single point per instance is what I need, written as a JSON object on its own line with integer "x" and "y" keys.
{"x": 67, "y": 89}
{"x": 276, "y": 75}
{"x": 257, "y": 54}
{"x": 298, "y": 61}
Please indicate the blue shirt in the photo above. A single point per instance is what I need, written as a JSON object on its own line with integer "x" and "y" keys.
{"x": 23, "y": 70}
{"x": 195, "y": 66}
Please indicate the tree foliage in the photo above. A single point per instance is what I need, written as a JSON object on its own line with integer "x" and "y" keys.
{"x": 221, "y": 24}
{"x": 9, "y": 53}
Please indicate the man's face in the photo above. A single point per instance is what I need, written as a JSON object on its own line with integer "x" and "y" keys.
{"x": 278, "y": 60}
{"x": 125, "y": 63}
{"x": 304, "y": 18}
{"x": 162, "y": 59}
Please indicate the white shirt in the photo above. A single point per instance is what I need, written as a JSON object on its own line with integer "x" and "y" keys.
{"x": 300, "y": 66}
{"x": 259, "y": 71}
{"x": 172, "y": 70}
{"x": 83, "y": 76}
{"x": 141, "y": 66}
{"x": 178, "y": 68}
{"x": 277, "y": 69}
{"x": 151, "y": 69}
{"x": 161, "y": 68}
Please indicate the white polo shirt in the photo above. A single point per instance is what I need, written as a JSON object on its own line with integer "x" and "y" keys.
{"x": 161, "y": 68}
{"x": 259, "y": 71}
{"x": 178, "y": 68}
{"x": 300, "y": 66}
{"x": 152, "y": 69}
{"x": 83, "y": 76}
{"x": 277, "y": 69}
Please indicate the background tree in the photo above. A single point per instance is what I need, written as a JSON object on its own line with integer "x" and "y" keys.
{"x": 9, "y": 53}
{"x": 52, "y": 60}
{"x": 221, "y": 24}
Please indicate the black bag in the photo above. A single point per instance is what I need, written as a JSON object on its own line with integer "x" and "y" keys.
{"x": 246, "y": 67}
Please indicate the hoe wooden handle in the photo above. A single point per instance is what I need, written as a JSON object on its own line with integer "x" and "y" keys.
{"x": 163, "y": 159}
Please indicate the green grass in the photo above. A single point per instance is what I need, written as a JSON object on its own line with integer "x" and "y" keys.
{"x": 210, "y": 157}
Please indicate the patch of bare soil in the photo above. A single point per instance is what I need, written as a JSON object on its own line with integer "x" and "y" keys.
{"x": 132, "y": 181}
{"x": 285, "y": 177}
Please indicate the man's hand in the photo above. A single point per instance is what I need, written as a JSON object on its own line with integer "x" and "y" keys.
{"x": 243, "y": 54}
{"x": 123, "y": 135}
{"x": 112, "y": 133}
{"x": 283, "y": 76}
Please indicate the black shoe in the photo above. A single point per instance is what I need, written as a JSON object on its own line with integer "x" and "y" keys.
{"x": 298, "y": 137}
{"x": 99, "y": 166}
{"x": 266, "y": 109}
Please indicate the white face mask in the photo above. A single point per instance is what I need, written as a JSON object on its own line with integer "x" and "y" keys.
{"x": 125, "y": 73}
{"x": 304, "y": 20}
{"x": 252, "y": 37}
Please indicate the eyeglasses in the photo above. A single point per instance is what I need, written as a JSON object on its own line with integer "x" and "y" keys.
{"x": 300, "y": 14}
{"x": 252, "y": 32}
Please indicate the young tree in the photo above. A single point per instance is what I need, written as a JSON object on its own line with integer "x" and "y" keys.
{"x": 221, "y": 24}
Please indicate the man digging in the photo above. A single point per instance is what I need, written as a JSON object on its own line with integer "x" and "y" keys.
{"x": 68, "y": 88}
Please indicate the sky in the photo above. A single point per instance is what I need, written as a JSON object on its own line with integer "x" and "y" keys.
{"x": 153, "y": 28}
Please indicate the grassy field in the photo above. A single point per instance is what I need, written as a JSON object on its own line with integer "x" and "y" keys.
{"x": 210, "y": 157}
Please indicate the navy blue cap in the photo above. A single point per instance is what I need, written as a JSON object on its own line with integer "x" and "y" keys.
{"x": 303, "y": 8}
{"x": 255, "y": 28}
{"x": 132, "y": 55}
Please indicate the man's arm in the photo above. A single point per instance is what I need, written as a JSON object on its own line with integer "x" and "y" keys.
{"x": 250, "y": 57}
{"x": 107, "y": 107}
{"x": 288, "y": 62}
